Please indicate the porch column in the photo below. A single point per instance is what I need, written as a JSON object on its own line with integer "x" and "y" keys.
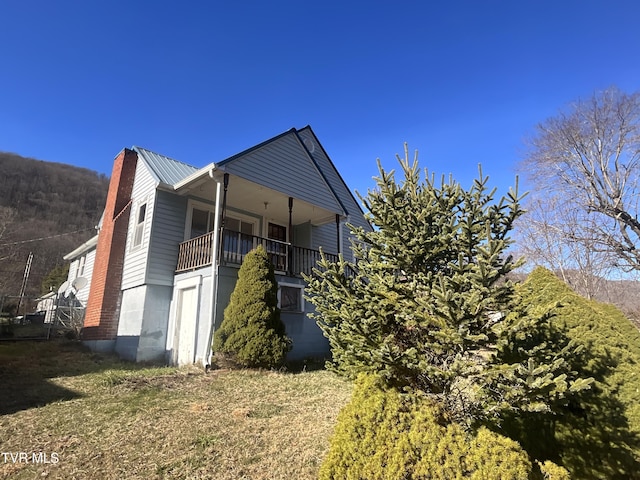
{"x": 290, "y": 247}
{"x": 223, "y": 214}
{"x": 215, "y": 248}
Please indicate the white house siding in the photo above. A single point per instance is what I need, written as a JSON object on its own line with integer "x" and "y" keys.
{"x": 88, "y": 258}
{"x": 130, "y": 325}
{"x": 167, "y": 233}
{"x": 135, "y": 259}
{"x": 143, "y": 336}
{"x": 73, "y": 270}
{"x": 147, "y": 277}
{"x": 273, "y": 165}
{"x": 153, "y": 335}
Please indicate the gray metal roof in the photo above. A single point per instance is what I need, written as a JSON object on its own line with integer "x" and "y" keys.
{"x": 167, "y": 170}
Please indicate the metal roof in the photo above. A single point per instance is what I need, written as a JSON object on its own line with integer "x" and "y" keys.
{"x": 167, "y": 170}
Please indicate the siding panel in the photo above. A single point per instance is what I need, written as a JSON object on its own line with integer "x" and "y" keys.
{"x": 325, "y": 236}
{"x": 167, "y": 233}
{"x": 274, "y": 165}
{"x": 135, "y": 260}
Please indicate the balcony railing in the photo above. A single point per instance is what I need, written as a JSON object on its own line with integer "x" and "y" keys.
{"x": 286, "y": 258}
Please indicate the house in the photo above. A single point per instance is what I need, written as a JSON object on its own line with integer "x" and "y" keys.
{"x": 164, "y": 263}
{"x": 74, "y": 293}
{"x": 47, "y": 304}
{"x": 81, "y": 269}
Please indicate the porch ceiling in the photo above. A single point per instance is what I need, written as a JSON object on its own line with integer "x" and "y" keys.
{"x": 260, "y": 200}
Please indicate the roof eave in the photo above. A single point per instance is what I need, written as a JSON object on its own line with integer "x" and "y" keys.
{"x": 85, "y": 247}
{"x": 207, "y": 171}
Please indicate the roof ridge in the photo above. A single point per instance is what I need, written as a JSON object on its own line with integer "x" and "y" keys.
{"x": 137, "y": 147}
{"x": 164, "y": 169}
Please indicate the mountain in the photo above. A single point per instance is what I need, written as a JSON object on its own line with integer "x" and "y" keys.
{"x": 47, "y": 209}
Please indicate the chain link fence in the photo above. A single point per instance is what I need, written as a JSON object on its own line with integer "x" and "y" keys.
{"x": 40, "y": 318}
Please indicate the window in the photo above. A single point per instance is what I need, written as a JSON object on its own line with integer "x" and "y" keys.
{"x": 201, "y": 222}
{"x": 81, "y": 262}
{"x": 238, "y": 239}
{"x": 138, "y": 231}
{"x": 237, "y": 225}
{"x": 290, "y": 298}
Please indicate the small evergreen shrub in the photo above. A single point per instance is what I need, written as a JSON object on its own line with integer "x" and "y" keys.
{"x": 252, "y": 333}
{"x": 597, "y": 433}
{"x": 384, "y": 434}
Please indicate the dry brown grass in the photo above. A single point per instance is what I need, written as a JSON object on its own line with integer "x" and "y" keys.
{"x": 113, "y": 420}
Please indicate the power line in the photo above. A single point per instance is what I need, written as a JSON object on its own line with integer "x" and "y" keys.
{"x": 45, "y": 238}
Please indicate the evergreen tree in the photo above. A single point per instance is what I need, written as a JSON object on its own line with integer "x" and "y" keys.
{"x": 252, "y": 332}
{"x": 426, "y": 305}
{"x": 56, "y": 277}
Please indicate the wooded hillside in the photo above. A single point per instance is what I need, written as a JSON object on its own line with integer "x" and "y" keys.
{"x": 46, "y": 208}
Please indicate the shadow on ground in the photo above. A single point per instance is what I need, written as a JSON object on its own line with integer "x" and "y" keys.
{"x": 28, "y": 367}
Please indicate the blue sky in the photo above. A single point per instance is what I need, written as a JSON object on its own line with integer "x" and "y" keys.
{"x": 461, "y": 81}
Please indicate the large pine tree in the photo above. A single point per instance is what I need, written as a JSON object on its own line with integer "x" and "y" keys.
{"x": 252, "y": 333}
{"x": 426, "y": 305}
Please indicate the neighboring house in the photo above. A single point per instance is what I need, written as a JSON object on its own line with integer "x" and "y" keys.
{"x": 75, "y": 291}
{"x": 173, "y": 236}
{"x": 81, "y": 267}
{"x": 47, "y": 304}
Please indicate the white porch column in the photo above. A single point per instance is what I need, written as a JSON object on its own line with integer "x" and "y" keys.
{"x": 214, "y": 268}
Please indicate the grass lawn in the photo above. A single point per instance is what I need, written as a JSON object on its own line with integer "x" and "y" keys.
{"x": 106, "y": 419}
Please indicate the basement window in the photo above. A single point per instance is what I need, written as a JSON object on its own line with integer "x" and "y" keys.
{"x": 290, "y": 298}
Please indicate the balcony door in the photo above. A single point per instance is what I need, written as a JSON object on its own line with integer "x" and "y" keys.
{"x": 238, "y": 238}
{"x": 277, "y": 246}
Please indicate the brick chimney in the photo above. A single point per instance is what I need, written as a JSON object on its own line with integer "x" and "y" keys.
{"x": 103, "y": 306}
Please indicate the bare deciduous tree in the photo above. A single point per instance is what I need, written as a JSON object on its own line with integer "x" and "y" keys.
{"x": 589, "y": 156}
{"x": 551, "y": 235}
{"x": 7, "y": 248}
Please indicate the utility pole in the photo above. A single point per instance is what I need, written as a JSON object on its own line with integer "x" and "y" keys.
{"x": 25, "y": 279}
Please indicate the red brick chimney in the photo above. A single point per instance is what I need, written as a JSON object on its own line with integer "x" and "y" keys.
{"x": 103, "y": 307}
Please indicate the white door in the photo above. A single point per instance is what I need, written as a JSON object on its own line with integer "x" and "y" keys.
{"x": 186, "y": 328}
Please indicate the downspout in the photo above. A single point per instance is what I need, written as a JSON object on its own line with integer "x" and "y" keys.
{"x": 214, "y": 267}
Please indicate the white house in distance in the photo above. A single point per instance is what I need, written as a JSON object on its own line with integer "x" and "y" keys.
{"x": 81, "y": 267}
{"x": 173, "y": 236}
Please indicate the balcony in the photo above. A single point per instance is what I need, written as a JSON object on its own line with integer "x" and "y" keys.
{"x": 286, "y": 258}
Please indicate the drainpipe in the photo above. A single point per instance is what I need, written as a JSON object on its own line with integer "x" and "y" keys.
{"x": 214, "y": 267}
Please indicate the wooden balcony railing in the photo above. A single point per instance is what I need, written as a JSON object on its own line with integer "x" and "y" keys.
{"x": 288, "y": 259}
{"x": 195, "y": 253}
